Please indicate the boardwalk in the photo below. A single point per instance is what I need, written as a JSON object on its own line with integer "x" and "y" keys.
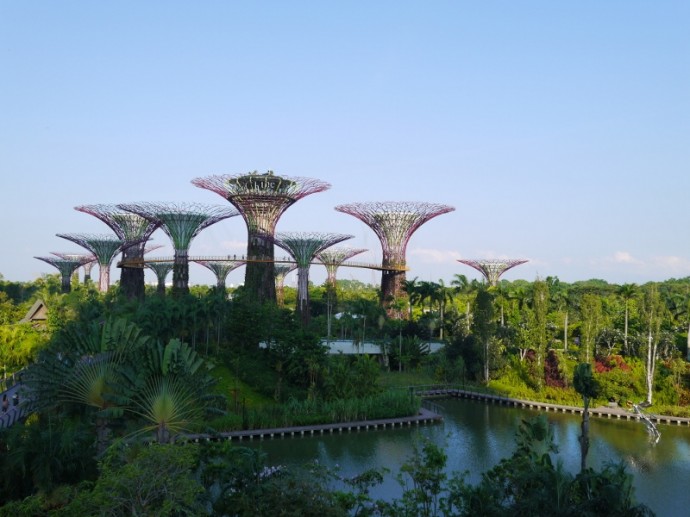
{"x": 601, "y": 411}
{"x": 424, "y": 417}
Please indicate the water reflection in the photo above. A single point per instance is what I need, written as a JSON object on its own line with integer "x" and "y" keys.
{"x": 477, "y": 435}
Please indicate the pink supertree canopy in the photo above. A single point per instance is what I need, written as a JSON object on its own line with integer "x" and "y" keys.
{"x": 394, "y": 222}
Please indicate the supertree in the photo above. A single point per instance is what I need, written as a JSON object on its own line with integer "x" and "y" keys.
{"x": 88, "y": 260}
{"x": 221, "y": 268}
{"x": 393, "y": 222}
{"x": 161, "y": 269}
{"x": 66, "y": 267}
{"x": 280, "y": 272}
{"x": 304, "y": 247}
{"x": 135, "y": 230}
{"x": 333, "y": 258}
{"x": 261, "y": 199}
{"x": 492, "y": 269}
{"x": 104, "y": 247}
{"x": 181, "y": 222}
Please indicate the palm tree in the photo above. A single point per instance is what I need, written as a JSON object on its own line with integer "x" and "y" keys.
{"x": 85, "y": 366}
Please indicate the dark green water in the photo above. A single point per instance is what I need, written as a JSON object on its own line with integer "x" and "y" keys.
{"x": 477, "y": 435}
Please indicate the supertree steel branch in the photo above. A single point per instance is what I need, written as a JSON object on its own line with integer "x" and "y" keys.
{"x": 261, "y": 199}
{"x": 66, "y": 268}
{"x": 104, "y": 247}
{"x": 304, "y": 247}
{"x": 181, "y": 222}
{"x": 333, "y": 258}
{"x": 161, "y": 269}
{"x": 88, "y": 260}
{"x": 492, "y": 269}
{"x": 394, "y": 222}
{"x": 135, "y": 230}
{"x": 221, "y": 268}
{"x": 280, "y": 272}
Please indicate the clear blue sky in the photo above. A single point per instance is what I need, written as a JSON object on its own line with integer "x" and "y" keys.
{"x": 559, "y": 130}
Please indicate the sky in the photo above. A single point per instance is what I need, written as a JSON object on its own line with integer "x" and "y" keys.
{"x": 559, "y": 131}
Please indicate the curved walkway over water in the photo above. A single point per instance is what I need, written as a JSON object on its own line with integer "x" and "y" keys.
{"x": 601, "y": 411}
{"x": 424, "y": 417}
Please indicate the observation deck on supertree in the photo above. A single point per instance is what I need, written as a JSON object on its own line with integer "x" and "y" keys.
{"x": 87, "y": 261}
{"x": 161, "y": 269}
{"x": 104, "y": 247}
{"x": 304, "y": 247}
{"x": 66, "y": 267}
{"x": 280, "y": 272}
{"x": 261, "y": 198}
{"x": 181, "y": 222}
{"x": 131, "y": 228}
{"x": 492, "y": 269}
{"x": 220, "y": 268}
{"x": 394, "y": 222}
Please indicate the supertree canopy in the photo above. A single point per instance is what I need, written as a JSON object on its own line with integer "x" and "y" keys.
{"x": 304, "y": 247}
{"x": 221, "y": 268}
{"x": 181, "y": 222}
{"x": 66, "y": 267}
{"x": 492, "y": 269}
{"x": 161, "y": 269}
{"x": 333, "y": 258}
{"x": 261, "y": 198}
{"x": 104, "y": 247}
{"x": 87, "y": 261}
{"x": 394, "y": 222}
{"x": 135, "y": 230}
{"x": 281, "y": 271}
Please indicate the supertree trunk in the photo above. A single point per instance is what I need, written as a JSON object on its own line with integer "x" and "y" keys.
{"x": 132, "y": 278}
{"x": 103, "y": 277}
{"x": 259, "y": 276}
{"x": 303, "y": 295}
{"x": 181, "y": 273}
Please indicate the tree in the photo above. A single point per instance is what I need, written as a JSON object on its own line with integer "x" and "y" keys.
{"x": 483, "y": 325}
{"x": 627, "y": 292}
{"x": 653, "y": 312}
{"x": 587, "y": 386}
{"x": 592, "y": 321}
{"x": 540, "y": 308}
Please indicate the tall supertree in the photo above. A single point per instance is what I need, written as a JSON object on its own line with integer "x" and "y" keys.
{"x": 492, "y": 269}
{"x": 261, "y": 199}
{"x": 135, "y": 230}
{"x": 181, "y": 222}
{"x": 280, "y": 272}
{"x": 304, "y": 247}
{"x": 66, "y": 267}
{"x": 104, "y": 247}
{"x": 87, "y": 260}
{"x": 161, "y": 269}
{"x": 394, "y": 222}
{"x": 221, "y": 268}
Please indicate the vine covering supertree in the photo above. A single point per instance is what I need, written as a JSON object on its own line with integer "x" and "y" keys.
{"x": 161, "y": 269}
{"x": 304, "y": 247}
{"x": 87, "y": 260}
{"x": 135, "y": 230}
{"x": 280, "y": 272}
{"x": 66, "y": 267}
{"x": 104, "y": 247}
{"x": 181, "y": 222}
{"x": 261, "y": 199}
{"x": 221, "y": 268}
{"x": 492, "y": 269}
{"x": 394, "y": 222}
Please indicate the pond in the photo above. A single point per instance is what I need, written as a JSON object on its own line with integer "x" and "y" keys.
{"x": 476, "y": 435}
